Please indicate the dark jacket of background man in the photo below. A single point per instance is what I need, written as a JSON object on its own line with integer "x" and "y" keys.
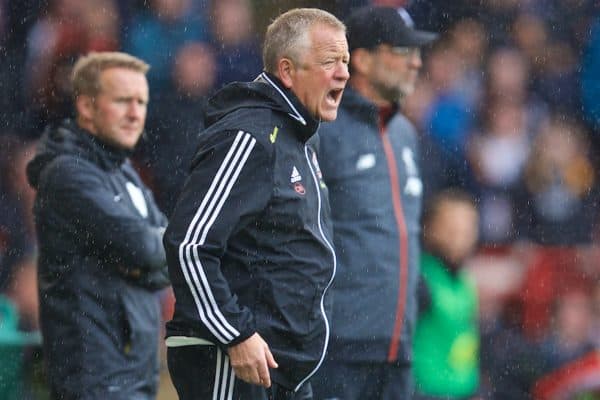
{"x": 99, "y": 234}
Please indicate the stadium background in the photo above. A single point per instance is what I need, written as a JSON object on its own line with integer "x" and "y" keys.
{"x": 507, "y": 107}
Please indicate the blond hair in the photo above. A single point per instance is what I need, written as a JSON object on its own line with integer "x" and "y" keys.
{"x": 288, "y": 33}
{"x": 86, "y": 71}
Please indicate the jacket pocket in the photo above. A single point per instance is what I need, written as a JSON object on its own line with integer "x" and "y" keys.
{"x": 287, "y": 308}
{"x": 140, "y": 319}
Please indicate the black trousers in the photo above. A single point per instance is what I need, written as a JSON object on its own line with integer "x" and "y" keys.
{"x": 202, "y": 372}
{"x": 337, "y": 380}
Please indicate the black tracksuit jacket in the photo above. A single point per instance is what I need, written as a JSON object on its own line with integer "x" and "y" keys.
{"x": 249, "y": 243}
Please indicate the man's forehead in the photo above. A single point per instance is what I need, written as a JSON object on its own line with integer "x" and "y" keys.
{"x": 329, "y": 38}
{"x": 119, "y": 77}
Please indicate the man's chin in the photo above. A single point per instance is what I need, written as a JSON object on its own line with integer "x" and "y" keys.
{"x": 128, "y": 146}
{"x": 130, "y": 142}
{"x": 329, "y": 116}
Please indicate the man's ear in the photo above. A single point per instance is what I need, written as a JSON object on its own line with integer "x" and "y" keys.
{"x": 85, "y": 106}
{"x": 285, "y": 72}
{"x": 361, "y": 61}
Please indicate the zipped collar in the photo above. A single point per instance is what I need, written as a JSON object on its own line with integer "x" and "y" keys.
{"x": 70, "y": 139}
{"x": 266, "y": 91}
{"x": 297, "y": 109}
{"x": 367, "y": 110}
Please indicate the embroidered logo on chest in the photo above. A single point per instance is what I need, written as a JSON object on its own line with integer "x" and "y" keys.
{"x": 137, "y": 198}
{"x": 365, "y": 161}
{"x": 296, "y": 180}
{"x": 414, "y": 185}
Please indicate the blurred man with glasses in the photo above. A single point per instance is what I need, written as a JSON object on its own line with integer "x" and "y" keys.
{"x": 368, "y": 161}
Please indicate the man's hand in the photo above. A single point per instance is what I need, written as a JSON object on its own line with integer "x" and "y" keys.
{"x": 251, "y": 360}
{"x": 134, "y": 273}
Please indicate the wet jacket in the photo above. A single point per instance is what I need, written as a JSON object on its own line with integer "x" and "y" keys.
{"x": 375, "y": 192}
{"x": 249, "y": 243}
{"x": 96, "y": 223}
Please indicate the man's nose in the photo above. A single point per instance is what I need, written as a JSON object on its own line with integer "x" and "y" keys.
{"x": 342, "y": 72}
{"x": 135, "y": 110}
{"x": 416, "y": 60}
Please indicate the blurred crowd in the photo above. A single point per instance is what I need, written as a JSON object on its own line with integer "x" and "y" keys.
{"x": 507, "y": 107}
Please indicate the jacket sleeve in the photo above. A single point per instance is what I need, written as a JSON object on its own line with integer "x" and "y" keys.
{"x": 78, "y": 193}
{"x": 229, "y": 186}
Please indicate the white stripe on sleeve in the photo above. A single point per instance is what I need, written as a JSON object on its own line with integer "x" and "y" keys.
{"x": 205, "y": 215}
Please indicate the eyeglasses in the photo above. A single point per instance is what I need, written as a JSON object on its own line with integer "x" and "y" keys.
{"x": 402, "y": 51}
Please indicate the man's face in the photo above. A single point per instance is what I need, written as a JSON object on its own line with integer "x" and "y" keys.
{"x": 118, "y": 112}
{"x": 394, "y": 71}
{"x": 319, "y": 79}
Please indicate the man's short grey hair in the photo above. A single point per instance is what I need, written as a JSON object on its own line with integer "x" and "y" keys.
{"x": 288, "y": 34}
{"x": 86, "y": 71}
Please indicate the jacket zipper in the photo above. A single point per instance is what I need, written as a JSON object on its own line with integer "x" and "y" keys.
{"x": 402, "y": 243}
{"x": 322, "y": 306}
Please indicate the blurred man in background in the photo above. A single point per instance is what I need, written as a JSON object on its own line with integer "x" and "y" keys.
{"x": 369, "y": 165}
{"x": 99, "y": 231}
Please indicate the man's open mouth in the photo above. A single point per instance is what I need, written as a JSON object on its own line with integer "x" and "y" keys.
{"x": 335, "y": 95}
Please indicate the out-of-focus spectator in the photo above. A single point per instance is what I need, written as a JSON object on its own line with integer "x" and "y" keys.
{"x": 557, "y": 197}
{"x": 66, "y": 26}
{"x": 595, "y": 299}
{"x": 570, "y": 346}
{"x": 552, "y": 61}
{"x": 51, "y": 42}
{"x": 569, "y": 336}
{"x": 175, "y": 120}
{"x": 497, "y": 152}
{"x": 529, "y": 34}
{"x": 57, "y": 24}
{"x": 450, "y": 115}
{"x": 68, "y": 29}
{"x": 467, "y": 38}
{"x": 497, "y": 155}
{"x": 590, "y": 79}
{"x": 17, "y": 231}
{"x": 15, "y": 21}
{"x": 446, "y": 104}
{"x": 439, "y": 15}
{"x": 507, "y": 75}
{"x": 578, "y": 379}
{"x": 235, "y": 41}
{"x": 510, "y": 362}
{"x": 497, "y": 16}
{"x": 556, "y": 82}
{"x": 440, "y": 110}
{"x": 567, "y": 20}
{"x": 22, "y": 291}
{"x": 51, "y": 103}
{"x": 156, "y": 34}
{"x": 100, "y": 20}
{"x": 446, "y": 343}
